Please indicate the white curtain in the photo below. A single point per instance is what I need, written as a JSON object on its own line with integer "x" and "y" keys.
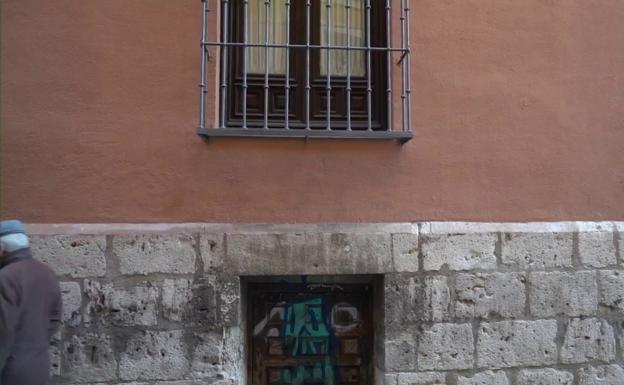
{"x": 257, "y": 35}
{"x": 338, "y": 37}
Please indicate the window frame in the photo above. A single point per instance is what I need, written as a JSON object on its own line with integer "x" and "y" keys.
{"x": 380, "y": 102}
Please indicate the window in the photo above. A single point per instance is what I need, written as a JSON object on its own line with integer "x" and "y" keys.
{"x": 309, "y": 68}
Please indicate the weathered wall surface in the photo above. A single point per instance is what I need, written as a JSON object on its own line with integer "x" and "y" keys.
{"x": 517, "y": 114}
{"x": 464, "y": 305}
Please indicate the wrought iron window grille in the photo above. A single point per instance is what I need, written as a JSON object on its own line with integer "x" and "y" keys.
{"x": 389, "y": 124}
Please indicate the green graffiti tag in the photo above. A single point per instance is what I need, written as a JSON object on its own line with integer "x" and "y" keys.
{"x": 307, "y": 334}
{"x": 321, "y": 373}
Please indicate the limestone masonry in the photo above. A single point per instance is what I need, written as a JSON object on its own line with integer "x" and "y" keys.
{"x": 463, "y": 304}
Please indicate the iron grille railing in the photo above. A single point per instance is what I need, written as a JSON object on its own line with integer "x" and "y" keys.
{"x": 397, "y": 57}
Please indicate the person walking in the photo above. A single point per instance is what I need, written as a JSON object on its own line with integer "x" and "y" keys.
{"x": 30, "y": 310}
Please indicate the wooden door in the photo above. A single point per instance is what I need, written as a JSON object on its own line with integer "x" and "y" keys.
{"x": 310, "y": 334}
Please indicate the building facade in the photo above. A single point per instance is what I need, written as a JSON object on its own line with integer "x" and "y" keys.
{"x": 396, "y": 192}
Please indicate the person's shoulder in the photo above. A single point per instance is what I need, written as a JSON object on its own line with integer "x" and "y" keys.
{"x": 42, "y": 266}
{"x": 29, "y": 267}
{"x": 10, "y": 270}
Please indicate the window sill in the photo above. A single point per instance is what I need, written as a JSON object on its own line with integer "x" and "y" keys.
{"x": 208, "y": 133}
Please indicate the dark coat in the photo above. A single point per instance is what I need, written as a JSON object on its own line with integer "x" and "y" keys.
{"x": 30, "y": 313}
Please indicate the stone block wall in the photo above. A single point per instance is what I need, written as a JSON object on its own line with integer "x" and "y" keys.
{"x": 142, "y": 309}
{"x": 464, "y": 304}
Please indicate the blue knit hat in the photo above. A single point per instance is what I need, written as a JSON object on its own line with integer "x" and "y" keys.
{"x": 12, "y": 226}
{"x": 12, "y": 235}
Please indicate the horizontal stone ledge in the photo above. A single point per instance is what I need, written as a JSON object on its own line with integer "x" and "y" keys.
{"x": 155, "y": 253}
{"x": 424, "y": 227}
{"x": 309, "y": 253}
{"x": 518, "y": 227}
{"x": 459, "y": 251}
{"x": 75, "y": 256}
{"x": 231, "y": 228}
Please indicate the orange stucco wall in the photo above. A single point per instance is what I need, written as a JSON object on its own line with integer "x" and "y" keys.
{"x": 518, "y": 115}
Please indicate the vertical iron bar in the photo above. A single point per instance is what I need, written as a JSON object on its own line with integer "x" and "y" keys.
{"x": 369, "y": 88}
{"x": 389, "y": 64}
{"x": 328, "y": 51}
{"x": 202, "y": 83}
{"x": 409, "y": 69}
{"x": 348, "y": 7}
{"x": 307, "y": 88}
{"x": 245, "y": 42}
{"x": 267, "y": 9}
{"x": 225, "y": 20}
{"x": 403, "y": 69}
{"x": 287, "y": 87}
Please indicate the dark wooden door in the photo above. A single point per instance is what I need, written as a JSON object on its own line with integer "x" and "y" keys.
{"x": 310, "y": 334}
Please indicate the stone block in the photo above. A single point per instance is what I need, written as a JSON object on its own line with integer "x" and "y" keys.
{"x": 229, "y": 295}
{"x": 588, "y": 340}
{"x": 212, "y": 251}
{"x": 56, "y": 337}
{"x": 354, "y": 253}
{"x": 204, "y": 301}
{"x": 206, "y": 360}
{"x": 446, "y": 347}
{"x": 601, "y": 375}
{"x": 136, "y": 383}
{"x": 176, "y": 297}
{"x": 484, "y": 378}
{"x": 77, "y": 256}
{"x": 155, "y": 253}
{"x": 308, "y": 253}
{"x": 422, "y": 378}
{"x": 562, "y": 293}
{"x": 215, "y": 381}
{"x": 400, "y": 352}
{"x": 390, "y": 379}
{"x": 537, "y": 251}
{"x": 131, "y": 383}
{"x": 232, "y": 354}
{"x": 544, "y": 377}
{"x": 458, "y": 251}
{"x": 89, "y": 358}
{"x": 400, "y": 355}
{"x": 72, "y": 303}
{"x": 136, "y": 305}
{"x": 55, "y": 360}
{"x": 620, "y": 246}
{"x": 597, "y": 249}
{"x": 516, "y": 343}
{"x": 154, "y": 355}
{"x": 437, "y": 298}
{"x": 405, "y": 252}
{"x": 259, "y": 253}
{"x": 490, "y": 295}
{"x": 410, "y": 298}
{"x": 612, "y": 290}
{"x": 401, "y": 297}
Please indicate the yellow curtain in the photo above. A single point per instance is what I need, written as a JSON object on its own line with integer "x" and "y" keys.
{"x": 277, "y": 35}
{"x": 257, "y": 35}
{"x": 338, "y": 37}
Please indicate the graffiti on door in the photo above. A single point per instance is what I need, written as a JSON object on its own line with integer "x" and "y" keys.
{"x": 305, "y": 333}
{"x": 307, "y": 340}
